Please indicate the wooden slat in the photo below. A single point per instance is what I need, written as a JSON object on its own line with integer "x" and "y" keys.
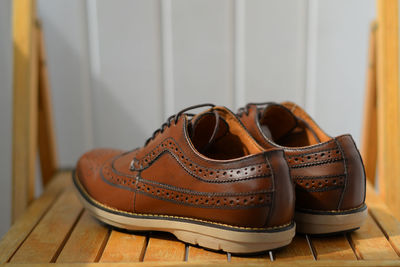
{"x": 371, "y": 244}
{"x": 164, "y": 247}
{"x": 388, "y": 103}
{"x": 124, "y": 247}
{"x": 390, "y": 226}
{"x": 304, "y": 263}
{"x": 86, "y": 241}
{"x": 388, "y": 223}
{"x": 46, "y": 136}
{"x": 24, "y": 106}
{"x": 333, "y": 248}
{"x": 369, "y": 139}
{"x": 262, "y": 258}
{"x": 23, "y": 226}
{"x": 297, "y": 250}
{"x": 47, "y": 238}
{"x": 200, "y": 254}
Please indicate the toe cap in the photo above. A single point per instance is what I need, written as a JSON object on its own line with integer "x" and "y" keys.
{"x": 89, "y": 173}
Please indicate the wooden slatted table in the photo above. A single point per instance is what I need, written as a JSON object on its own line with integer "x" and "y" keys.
{"x": 56, "y": 229}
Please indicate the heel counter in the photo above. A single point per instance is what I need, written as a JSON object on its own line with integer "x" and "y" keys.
{"x": 283, "y": 199}
{"x": 354, "y": 192}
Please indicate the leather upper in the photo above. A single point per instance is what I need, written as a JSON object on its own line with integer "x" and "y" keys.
{"x": 170, "y": 177}
{"x": 328, "y": 172}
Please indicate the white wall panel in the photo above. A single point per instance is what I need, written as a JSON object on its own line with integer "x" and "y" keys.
{"x": 275, "y": 47}
{"x": 5, "y": 114}
{"x": 202, "y": 52}
{"x": 127, "y": 93}
{"x": 65, "y": 30}
{"x": 343, "y": 30}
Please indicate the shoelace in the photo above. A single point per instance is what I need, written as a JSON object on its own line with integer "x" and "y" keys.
{"x": 175, "y": 118}
{"x": 245, "y": 109}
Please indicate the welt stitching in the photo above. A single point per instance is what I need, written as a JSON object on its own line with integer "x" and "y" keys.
{"x": 187, "y": 191}
{"x": 315, "y": 163}
{"x": 202, "y": 206}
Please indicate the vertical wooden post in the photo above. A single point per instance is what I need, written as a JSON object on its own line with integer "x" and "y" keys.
{"x": 25, "y": 105}
{"x": 388, "y": 103}
{"x": 369, "y": 141}
{"x": 47, "y": 143}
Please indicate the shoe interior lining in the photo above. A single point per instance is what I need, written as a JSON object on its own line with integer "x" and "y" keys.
{"x": 232, "y": 140}
{"x": 306, "y": 133}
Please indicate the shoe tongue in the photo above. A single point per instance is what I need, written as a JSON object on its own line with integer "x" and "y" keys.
{"x": 276, "y": 121}
{"x": 206, "y": 128}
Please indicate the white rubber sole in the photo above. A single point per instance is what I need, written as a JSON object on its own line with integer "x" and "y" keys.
{"x": 308, "y": 223}
{"x": 197, "y": 232}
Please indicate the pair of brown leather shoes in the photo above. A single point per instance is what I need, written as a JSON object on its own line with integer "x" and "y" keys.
{"x": 229, "y": 182}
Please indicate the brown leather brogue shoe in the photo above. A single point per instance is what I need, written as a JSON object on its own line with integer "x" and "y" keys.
{"x": 201, "y": 177}
{"x": 328, "y": 172}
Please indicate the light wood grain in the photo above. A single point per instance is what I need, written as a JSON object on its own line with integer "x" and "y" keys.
{"x": 46, "y": 136}
{"x": 124, "y": 247}
{"x": 297, "y": 250}
{"x": 261, "y": 258}
{"x": 371, "y": 244}
{"x": 47, "y": 238}
{"x": 388, "y": 103}
{"x": 86, "y": 241}
{"x": 369, "y": 141}
{"x": 255, "y": 264}
{"x": 304, "y": 263}
{"x": 382, "y": 215}
{"x": 23, "y": 226}
{"x": 164, "y": 247}
{"x": 200, "y": 254}
{"x": 331, "y": 248}
{"x": 24, "y": 106}
{"x": 390, "y": 226}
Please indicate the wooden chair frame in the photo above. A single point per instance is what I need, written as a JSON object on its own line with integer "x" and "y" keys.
{"x": 381, "y": 132}
{"x": 32, "y": 117}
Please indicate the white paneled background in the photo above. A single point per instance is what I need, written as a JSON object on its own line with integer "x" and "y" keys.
{"x": 119, "y": 68}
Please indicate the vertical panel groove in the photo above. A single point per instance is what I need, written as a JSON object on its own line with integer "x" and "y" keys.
{"x": 94, "y": 65}
{"x": 239, "y": 54}
{"x": 311, "y": 56}
{"x": 167, "y": 57}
